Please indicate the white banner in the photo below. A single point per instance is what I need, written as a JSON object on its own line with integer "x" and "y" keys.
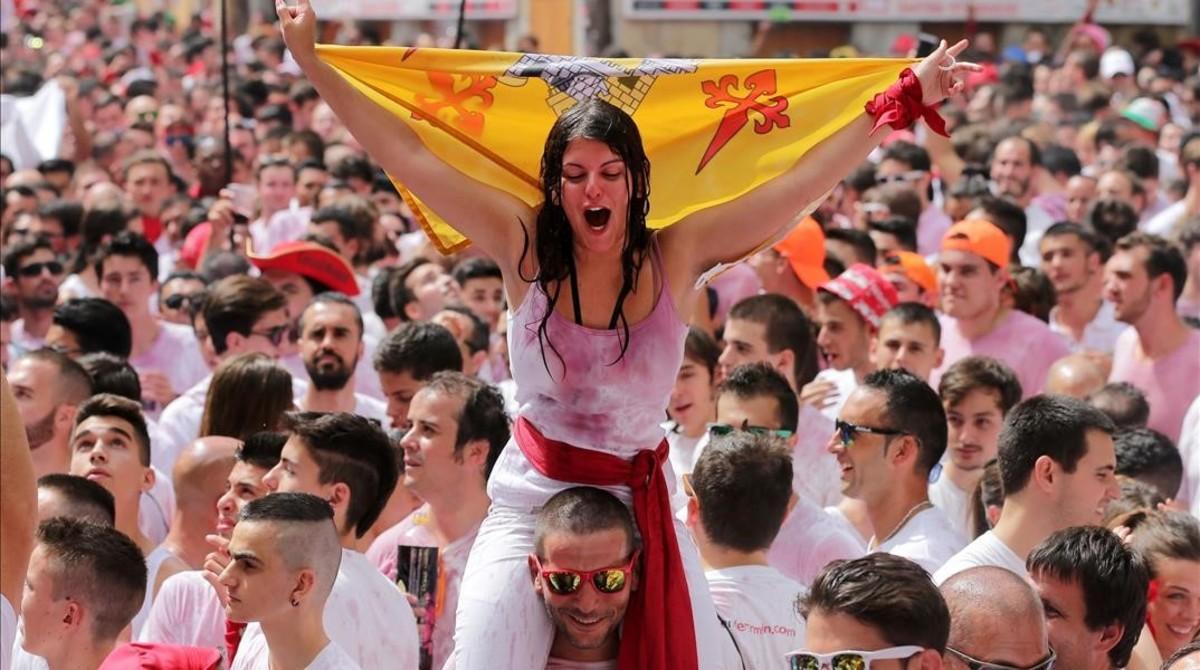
{"x": 1155, "y": 12}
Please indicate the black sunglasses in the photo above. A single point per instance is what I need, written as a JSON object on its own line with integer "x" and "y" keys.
{"x": 275, "y": 335}
{"x": 976, "y": 664}
{"x": 847, "y": 431}
{"x": 178, "y": 300}
{"x": 722, "y": 429}
{"x": 35, "y": 269}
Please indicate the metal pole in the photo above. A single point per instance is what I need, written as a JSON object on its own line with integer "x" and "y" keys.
{"x": 462, "y": 21}
{"x": 225, "y": 89}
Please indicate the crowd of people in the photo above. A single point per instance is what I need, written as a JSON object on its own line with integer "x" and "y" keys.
{"x": 253, "y": 419}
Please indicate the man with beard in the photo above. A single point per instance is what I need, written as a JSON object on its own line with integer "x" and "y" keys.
{"x": 1160, "y": 354}
{"x": 49, "y": 387}
{"x": 33, "y": 274}
{"x": 1073, "y": 259}
{"x": 1015, "y": 164}
{"x": 331, "y": 346}
{"x": 584, "y": 540}
{"x": 301, "y": 270}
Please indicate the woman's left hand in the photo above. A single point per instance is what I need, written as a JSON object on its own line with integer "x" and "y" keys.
{"x": 941, "y": 75}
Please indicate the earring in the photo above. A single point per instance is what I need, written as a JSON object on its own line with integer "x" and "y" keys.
{"x": 295, "y": 603}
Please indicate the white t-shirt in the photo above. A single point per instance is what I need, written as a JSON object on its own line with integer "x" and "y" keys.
{"x": 175, "y": 353}
{"x": 561, "y": 664}
{"x": 1099, "y": 335}
{"x": 845, "y": 381}
{"x": 370, "y": 408}
{"x": 332, "y": 657}
{"x": 365, "y": 614}
{"x": 1164, "y": 223}
{"x": 186, "y": 612}
{"x": 8, "y": 632}
{"x": 758, "y": 604}
{"x": 1189, "y": 449}
{"x": 927, "y": 539}
{"x": 953, "y": 501}
{"x": 808, "y": 540}
{"x": 156, "y": 507}
{"x": 815, "y": 472}
{"x": 987, "y": 549}
{"x": 154, "y": 561}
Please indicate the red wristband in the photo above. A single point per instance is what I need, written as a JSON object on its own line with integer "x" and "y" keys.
{"x": 900, "y": 105}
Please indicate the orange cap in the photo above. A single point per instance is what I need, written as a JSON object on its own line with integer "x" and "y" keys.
{"x": 981, "y": 238}
{"x": 912, "y": 266}
{"x": 804, "y": 249}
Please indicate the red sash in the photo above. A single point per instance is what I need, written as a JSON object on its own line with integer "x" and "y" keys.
{"x": 663, "y": 593}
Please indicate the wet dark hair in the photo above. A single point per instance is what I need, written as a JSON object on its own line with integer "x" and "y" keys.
{"x": 553, "y": 248}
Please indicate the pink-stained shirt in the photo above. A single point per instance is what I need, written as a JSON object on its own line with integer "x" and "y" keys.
{"x": 186, "y": 612}
{"x": 1020, "y": 341}
{"x": 415, "y": 531}
{"x": 808, "y": 541}
{"x": 175, "y": 353}
{"x": 286, "y": 225}
{"x": 1170, "y": 383}
{"x": 588, "y": 398}
{"x": 815, "y": 472}
{"x": 932, "y": 225}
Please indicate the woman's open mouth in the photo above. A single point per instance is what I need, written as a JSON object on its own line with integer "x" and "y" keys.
{"x": 597, "y": 217}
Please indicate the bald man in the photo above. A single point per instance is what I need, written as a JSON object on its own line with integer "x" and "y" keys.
{"x": 199, "y": 475}
{"x": 995, "y": 618}
{"x": 1078, "y": 375}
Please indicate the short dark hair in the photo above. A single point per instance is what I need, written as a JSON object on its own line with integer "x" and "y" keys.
{"x": 476, "y": 268}
{"x": 1159, "y": 534}
{"x": 262, "y": 449}
{"x": 182, "y": 275}
{"x": 912, "y": 155}
{"x": 97, "y": 324}
{"x": 128, "y": 243}
{"x": 902, "y": 227}
{"x": 1162, "y": 257}
{"x": 1111, "y": 219}
{"x": 73, "y": 384}
{"x": 913, "y": 408}
{"x": 888, "y": 593}
{"x": 355, "y": 451}
{"x": 98, "y": 565}
{"x": 235, "y": 303}
{"x": 112, "y": 374}
{"x": 1141, "y": 160}
{"x": 22, "y": 250}
{"x": 1113, "y": 578}
{"x": 287, "y": 506}
{"x": 758, "y": 380}
{"x": 1149, "y": 456}
{"x": 129, "y": 411}
{"x": 1008, "y": 216}
{"x": 68, "y": 213}
{"x": 1094, "y": 243}
{"x": 743, "y": 483}
{"x": 352, "y": 166}
{"x": 419, "y": 348}
{"x": 582, "y": 510}
{"x": 480, "y": 337}
{"x": 1045, "y": 425}
{"x": 335, "y": 298}
{"x": 87, "y": 500}
{"x": 862, "y": 243}
{"x": 1060, "y": 160}
{"x": 701, "y": 348}
{"x": 786, "y": 327}
{"x": 909, "y": 313}
{"x": 399, "y": 295}
{"x": 482, "y": 416}
{"x": 984, "y": 373}
{"x": 1122, "y": 402}
{"x": 349, "y": 225}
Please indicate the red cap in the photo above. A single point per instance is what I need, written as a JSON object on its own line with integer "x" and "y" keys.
{"x": 309, "y": 259}
{"x": 869, "y": 293}
{"x": 194, "y": 244}
{"x": 804, "y": 249}
{"x": 145, "y": 656}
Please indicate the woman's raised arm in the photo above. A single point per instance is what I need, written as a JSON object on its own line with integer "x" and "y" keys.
{"x": 487, "y": 215}
{"x": 730, "y": 231}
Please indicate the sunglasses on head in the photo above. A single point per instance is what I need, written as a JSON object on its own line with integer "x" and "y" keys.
{"x": 605, "y": 580}
{"x": 722, "y": 429}
{"x": 275, "y": 335}
{"x": 35, "y": 269}
{"x": 178, "y": 300}
{"x": 847, "y": 432}
{"x": 975, "y": 664}
{"x": 848, "y": 660}
{"x": 172, "y": 140}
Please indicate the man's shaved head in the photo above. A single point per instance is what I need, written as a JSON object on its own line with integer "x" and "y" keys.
{"x": 995, "y": 616}
{"x": 304, "y": 533}
{"x": 1077, "y": 375}
{"x": 204, "y": 461}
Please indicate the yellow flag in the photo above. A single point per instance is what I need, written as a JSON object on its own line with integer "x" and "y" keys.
{"x": 712, "y": 129}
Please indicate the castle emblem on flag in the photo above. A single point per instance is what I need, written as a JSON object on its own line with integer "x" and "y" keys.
{"x": 573, "y": 80}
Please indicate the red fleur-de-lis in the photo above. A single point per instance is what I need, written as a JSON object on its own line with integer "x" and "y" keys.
{"x": 770, "y": 112}
{"x": 466, "y": 102}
